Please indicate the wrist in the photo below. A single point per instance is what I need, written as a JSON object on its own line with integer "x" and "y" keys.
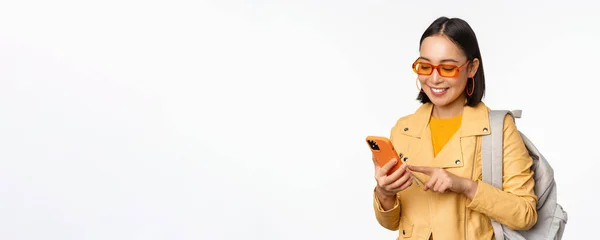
{"x": 384, "y": 195}
{"x": 470, "y": 188}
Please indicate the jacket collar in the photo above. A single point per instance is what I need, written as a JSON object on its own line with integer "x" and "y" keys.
{"x": 475, "y": 121}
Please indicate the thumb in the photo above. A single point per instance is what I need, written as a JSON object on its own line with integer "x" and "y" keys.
{"x": 421, "y": 169}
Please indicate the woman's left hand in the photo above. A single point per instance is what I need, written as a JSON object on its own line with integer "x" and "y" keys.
{"x": 441, "y": 181}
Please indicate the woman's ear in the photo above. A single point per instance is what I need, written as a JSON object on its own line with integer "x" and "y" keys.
{"x": 473, "y": 67}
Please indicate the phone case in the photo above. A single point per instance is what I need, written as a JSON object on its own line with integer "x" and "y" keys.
{"x": 383, "y": 150}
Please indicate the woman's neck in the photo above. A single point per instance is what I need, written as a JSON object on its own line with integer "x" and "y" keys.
{"x": 450, "y": 110}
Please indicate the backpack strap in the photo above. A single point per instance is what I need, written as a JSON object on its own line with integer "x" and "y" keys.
{"x": 491, "y": 156}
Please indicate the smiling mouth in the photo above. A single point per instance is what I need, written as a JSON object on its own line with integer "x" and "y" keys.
{"x": 439, "y": 90}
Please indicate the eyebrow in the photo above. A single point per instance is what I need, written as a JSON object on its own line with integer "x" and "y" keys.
{"x": 443, "y": 60}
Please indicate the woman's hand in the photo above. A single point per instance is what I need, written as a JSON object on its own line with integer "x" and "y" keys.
{"x": 441, "y": 181}
{"x": 389, "y": 185}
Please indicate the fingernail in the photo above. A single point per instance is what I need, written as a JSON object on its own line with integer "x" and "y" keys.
{"x": 403, "y": 166}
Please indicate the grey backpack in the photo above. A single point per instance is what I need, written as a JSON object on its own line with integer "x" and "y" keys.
{"x": 551, "y": 216}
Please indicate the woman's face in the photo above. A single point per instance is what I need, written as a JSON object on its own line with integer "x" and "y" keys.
{"x": 450, "y": 87}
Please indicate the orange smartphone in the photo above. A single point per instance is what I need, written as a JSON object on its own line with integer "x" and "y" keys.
{"x": 383, "y": 150}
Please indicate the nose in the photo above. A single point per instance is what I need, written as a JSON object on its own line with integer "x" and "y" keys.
{"x": 435, "y": 77}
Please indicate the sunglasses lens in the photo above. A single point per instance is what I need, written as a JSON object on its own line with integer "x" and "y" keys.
{"x": 423, "y": 68}
{"x": 448, "y": 71}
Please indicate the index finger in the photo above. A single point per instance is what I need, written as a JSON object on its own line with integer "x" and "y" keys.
{"x": 421, "y": 169}
{"x": 389, "y": 165}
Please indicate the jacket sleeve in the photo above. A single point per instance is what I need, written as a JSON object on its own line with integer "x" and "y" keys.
{"x": 389, "y": 219}
{"x": 515, "y": 205}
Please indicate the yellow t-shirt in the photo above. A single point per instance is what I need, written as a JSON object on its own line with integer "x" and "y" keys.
{"x": 442, "y": 129}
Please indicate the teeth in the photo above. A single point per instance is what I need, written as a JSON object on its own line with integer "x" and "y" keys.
{"x": 438, "y": 90}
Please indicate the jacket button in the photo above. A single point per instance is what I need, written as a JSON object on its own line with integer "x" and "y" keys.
{"x": 405, "y": 159}
{"x": 485, "y": 129}
{"x": 457, "y": 162}
{"x": 401, "y": 155}
{"x": 405, "y": 129}
{"x": 403, "y": 232}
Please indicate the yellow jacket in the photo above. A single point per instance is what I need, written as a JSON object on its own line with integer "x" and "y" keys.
{"x": 420, "y": 214}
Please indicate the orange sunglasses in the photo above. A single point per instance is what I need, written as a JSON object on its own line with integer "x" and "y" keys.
{"x": 445, "y": 70}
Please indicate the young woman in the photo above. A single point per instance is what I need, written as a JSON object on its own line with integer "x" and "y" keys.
{"x": 440, "y": 143}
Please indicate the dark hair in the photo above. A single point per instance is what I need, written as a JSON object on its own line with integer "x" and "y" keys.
{"x": 459, "y": 32}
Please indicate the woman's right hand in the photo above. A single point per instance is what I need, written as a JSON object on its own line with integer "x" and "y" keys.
{"x": 389, "y": 185}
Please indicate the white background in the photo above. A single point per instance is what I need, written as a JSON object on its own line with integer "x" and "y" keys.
{"x": 246, "y": 119}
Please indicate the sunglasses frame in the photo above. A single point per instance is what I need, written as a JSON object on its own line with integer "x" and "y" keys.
{"x": 437, "y": 67}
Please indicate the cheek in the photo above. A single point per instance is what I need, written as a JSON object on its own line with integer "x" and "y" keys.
{"x": 458, "y": 83}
